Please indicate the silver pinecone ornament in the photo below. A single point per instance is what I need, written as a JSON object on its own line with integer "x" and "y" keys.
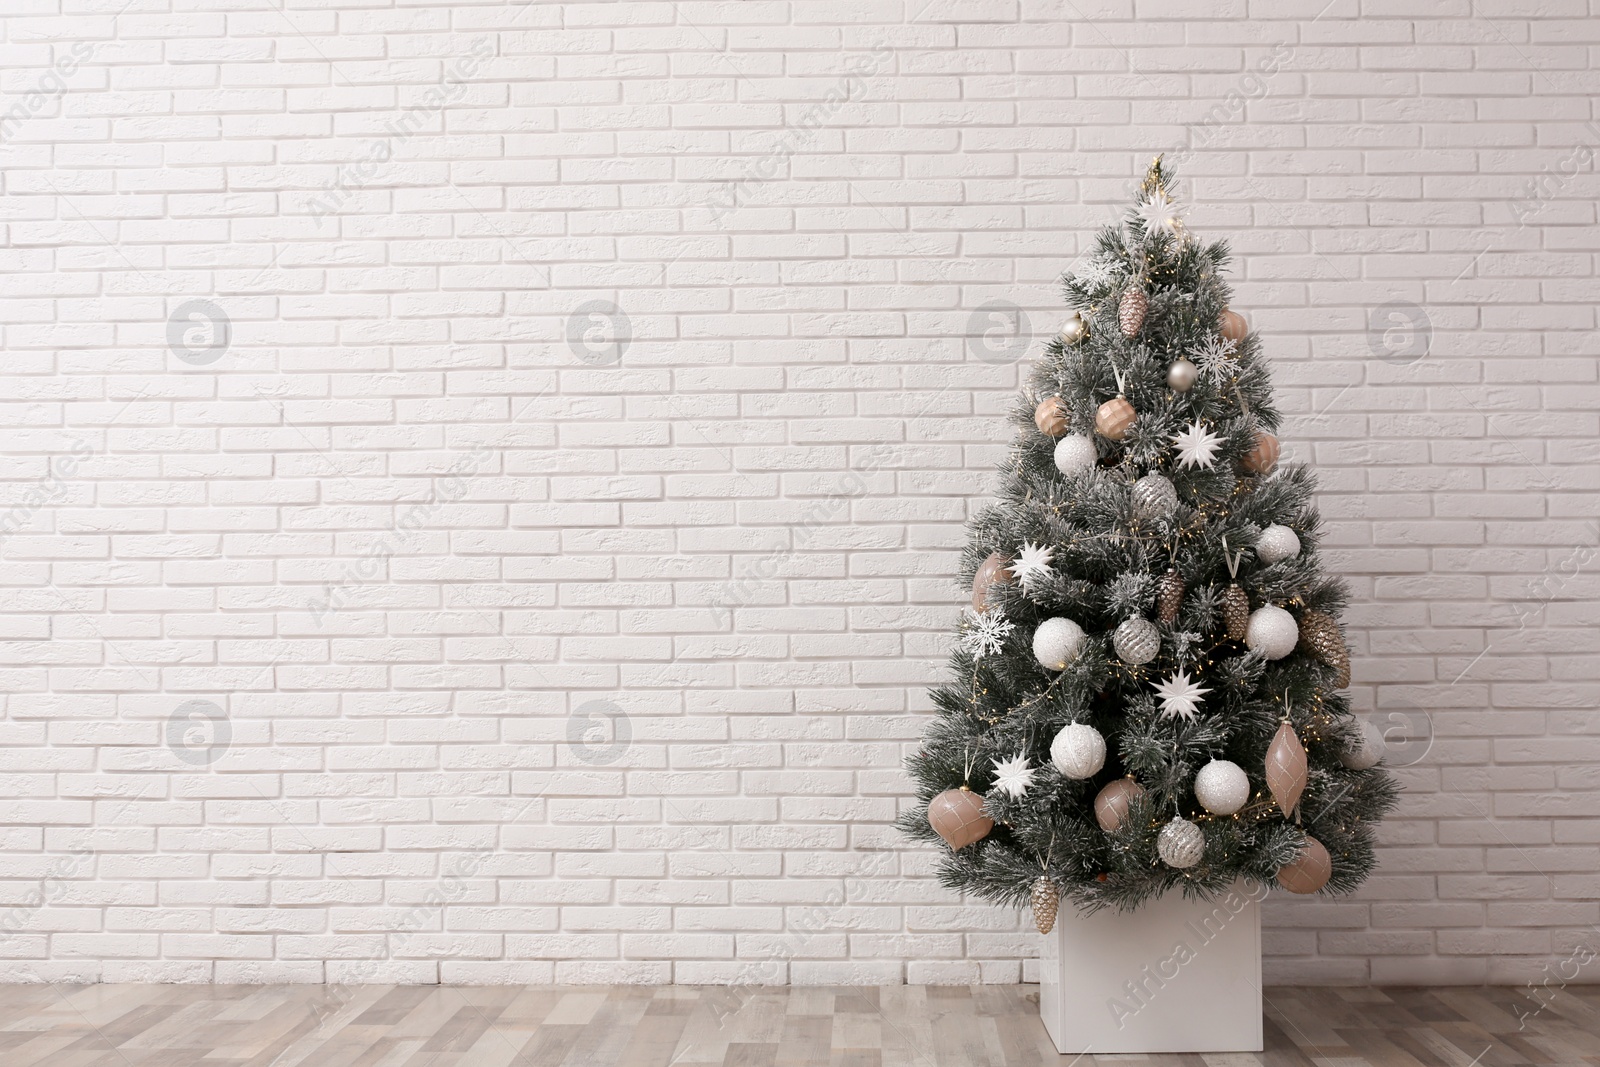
{"x": 1130, "y": 311}
{"x": 1046, "y": 901}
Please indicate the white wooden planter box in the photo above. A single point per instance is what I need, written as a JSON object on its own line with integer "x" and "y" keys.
{"x": 1174, "y": 976}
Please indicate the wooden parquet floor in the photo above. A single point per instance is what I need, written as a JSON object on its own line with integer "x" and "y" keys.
{"x": 683, "y": 1026}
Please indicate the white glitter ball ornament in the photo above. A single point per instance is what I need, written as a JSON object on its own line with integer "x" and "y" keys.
{"x": 1277, "y": 543}
{"x": 1056, "y": 643}
{"x": 1154, "y": 497}
{"x": 1181, "y": 844}
{"x": 1136, "y": 641}
{"x": 1272, "y": 632}
{"x": 1078, "y": 751}
{"x": 1222, "y": 787}
{"x": 1075, "y": 452}
{"x": 1368, "y": 751}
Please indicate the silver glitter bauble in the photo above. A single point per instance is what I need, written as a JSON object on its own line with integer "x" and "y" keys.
{"x": 1056, "y": 643}
{"x": 1277, "y": 543}
{"x": 1074, "y": 452}
{"x": 1272, "y": 632}
{"x": 1181, "y": 843}
{"x": 1368, "y": 751}
{"x": 1154, "y": 497}
{"x": 1078, "y": 751}
{"x": 1222, "y": 787}
{"x": 1136, "y": 641}
{"x": 1182, "y": 375}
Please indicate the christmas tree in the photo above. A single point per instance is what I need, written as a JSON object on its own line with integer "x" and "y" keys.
{"x": 1145, "y": 693}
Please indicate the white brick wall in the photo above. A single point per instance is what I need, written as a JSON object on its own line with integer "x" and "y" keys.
{"x": 392, "y": 613}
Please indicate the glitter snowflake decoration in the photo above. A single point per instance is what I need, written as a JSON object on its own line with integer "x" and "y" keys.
{"x": 1180, "y": 696}
{"x": 1013, "y": 776}
{"x": 1098, "y": 273}
{"x": 1218, "y": 359}
{"x": 1197, "y": 447}
{"x": 1032, "y": 564}
{"x": 1159, "y": 215}
{"x": 986, "y": 633}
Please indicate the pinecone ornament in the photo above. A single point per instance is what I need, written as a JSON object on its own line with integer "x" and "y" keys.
{"x": 1235, "y": 611}
{"x": 1130, "y": 311}
{"x": 1046, "y": 901}
{"x": 1169, "y": 596}
{"x": 1321, "y": 634}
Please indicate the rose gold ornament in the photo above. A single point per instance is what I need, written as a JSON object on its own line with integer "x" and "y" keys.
{"x": 1264, "y": 456}
{"x": 957, "y": 816}
{"x": 1286, "y": 769}
{"x": 1051, "y": 416}
{"x": 1309, "y": 871}
{"x": 1114, "y": 418}
{"x": 1112, "y": 803}
{"x": 1232, "y": 325}
{"x": 1130, "y": 311}
{"x": 990, "y": 571}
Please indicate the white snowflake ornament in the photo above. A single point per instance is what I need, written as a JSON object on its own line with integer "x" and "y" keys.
{"x": 1013, "y": 776}
{"x": 1097, "y": 274}
{"x": 1218, "y": 359}
{"x": 1180, "y": 696}
{"x": 987, "y": 632}
{"x": 1032, "y": 564}
{"x": 1197, "y": 447}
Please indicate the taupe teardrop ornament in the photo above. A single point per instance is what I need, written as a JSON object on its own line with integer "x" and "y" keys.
{"x": 1286, "y": 769}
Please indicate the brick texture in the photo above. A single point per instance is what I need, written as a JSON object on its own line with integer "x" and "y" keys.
{"x": 483, "y": 480}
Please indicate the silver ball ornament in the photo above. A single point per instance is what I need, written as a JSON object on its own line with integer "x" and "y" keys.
{"x": 1075, "y": 452}
{"x": 1272, "y": 632}
{"x": 1136, "y": 641}
{"x": 1056, "y": 643}
{"x": 1369, "y": 749}
{"x": 1182, "y": 375}
{"x": 1277, "y": 543}
{"x": 1078, "y": 751}
{"x": 1222, "y": 787}
{"x": 1154, "y": 497}
{"x": 1074, "y": 329}
{"x": 1181, "y": 844}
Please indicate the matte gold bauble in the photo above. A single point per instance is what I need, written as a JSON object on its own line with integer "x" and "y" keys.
{"x": 1051, "y": 416}
{"x": 957, "y": 816}
{"x": 990, "y": 571}
{"x": 1232, "y": 325}
{"x": 1114, "y": 418}
{"x": 1112, "y": 803}
{"x": 1309, "y": 871}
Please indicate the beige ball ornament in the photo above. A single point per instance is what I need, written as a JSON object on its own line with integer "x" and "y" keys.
{"x": 1222, "y": 787}
{"x": 1232, "y": 326}
{"x": 1181, "y": 844}
{"x": 1114, "y": 418}
{"x": 1368, "y": 749}
{"x": 1074, "y": 329}
{"x": 1078, "y": 751}
{"x": 1074, "y": 453}
{"x": 1272, "y": 632}
{"x": 1263, "y": 456}
{"x": 1051, "y": 416}
{"x": 1057, "y": 643}
{"x": 1277, "y": 543}
{"x": 1309, "y": 871}
{"x": 1112, "y": 803}
{"x": 990, "y": 571}
{"x": 1182, "y": 374}
{"x": 957, "y": 816}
